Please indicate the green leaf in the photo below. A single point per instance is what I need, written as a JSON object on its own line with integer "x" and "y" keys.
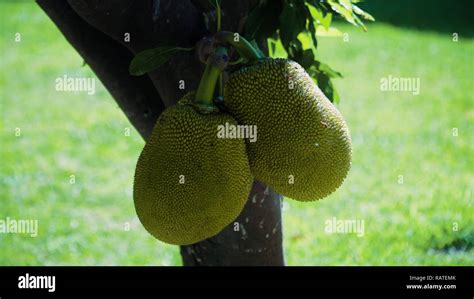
{"x": 359, "y": 22}
{"x": 344, "y": 12}
{"x": 346, "y": 4}
{"x": 322, "y": 74}
{"x": 326, "y": 22}
{"x": 329, "y": 71}
{"x": 151, "y": 59}
{"x": 263, "y": 21}
{"x": 312, "y": 32}
{"x": 349, "y": 12}
{"x": 311, "y": 28}
{"x": 304, "y": 57}
{"x": 325, "y": 84}
{"x": 335, "y": 98}
{"x": 363, "y": 14}
{"x": 317, "y": 15}
{"x": 295, "y": 50}
{"x": 292, "y": 21}
{"x": 277, "y": 49}
{"x": 332, "y": 32}
{"x": 271, "y": 46}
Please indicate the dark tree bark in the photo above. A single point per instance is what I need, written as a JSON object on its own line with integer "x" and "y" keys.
{"x": 96, "y": 29}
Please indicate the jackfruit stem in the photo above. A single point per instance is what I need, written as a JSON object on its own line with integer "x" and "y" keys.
{"x": 216, "y": 63}
{"x": 241, "y": 45}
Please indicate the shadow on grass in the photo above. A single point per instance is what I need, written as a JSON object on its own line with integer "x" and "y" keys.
{"x": 433, "y": 15}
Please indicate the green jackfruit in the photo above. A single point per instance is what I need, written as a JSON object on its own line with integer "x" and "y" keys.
{"x": 303, "y": 148}
{"x": 189, "y": 184}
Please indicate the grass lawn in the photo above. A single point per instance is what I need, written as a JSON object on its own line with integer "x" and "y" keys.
{"x": 72, "y": 165}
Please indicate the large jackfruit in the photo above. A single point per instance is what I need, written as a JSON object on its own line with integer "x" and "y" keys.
{"x": 189, "y": 184}
{"x": 303, "y": 149}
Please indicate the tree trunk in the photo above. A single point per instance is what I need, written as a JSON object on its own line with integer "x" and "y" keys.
{"x": 98, "y": 30}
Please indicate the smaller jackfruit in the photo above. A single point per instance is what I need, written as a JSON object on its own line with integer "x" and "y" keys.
{"x": 189, "y": 184}
{"x": 303, "y": 149}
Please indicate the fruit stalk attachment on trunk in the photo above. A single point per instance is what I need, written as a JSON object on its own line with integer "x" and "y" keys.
{"x": 216, "y": 63}
{"x": 241, "y": 45}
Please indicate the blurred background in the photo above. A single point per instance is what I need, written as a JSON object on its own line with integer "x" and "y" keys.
{"x": 68, "y": 158}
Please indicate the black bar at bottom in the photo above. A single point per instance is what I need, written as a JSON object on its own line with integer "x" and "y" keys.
{"x": 221, "y": 282}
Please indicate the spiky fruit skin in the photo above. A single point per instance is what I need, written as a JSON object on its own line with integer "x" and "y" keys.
{"x": 303, "y": 147}
{"x": 216, "y": 173}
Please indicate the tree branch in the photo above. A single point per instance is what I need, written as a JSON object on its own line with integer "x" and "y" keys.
{"x": 136, "y": 96}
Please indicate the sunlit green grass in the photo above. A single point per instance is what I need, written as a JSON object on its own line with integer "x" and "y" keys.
{"x": 397, "y": 133}
{"x": 394, "y": 133}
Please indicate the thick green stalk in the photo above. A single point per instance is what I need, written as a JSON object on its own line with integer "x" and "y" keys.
{"x": 216, "y": 63}
{"x": 243, "y": 46}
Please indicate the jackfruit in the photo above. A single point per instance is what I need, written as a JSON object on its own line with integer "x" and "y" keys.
{"x": 303, "y": 148}
{"x": 189, "y": 184}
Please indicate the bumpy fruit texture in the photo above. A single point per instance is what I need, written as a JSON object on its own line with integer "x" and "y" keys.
{"x": 189, "y": 184}
{"x": 303, "y": 147}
